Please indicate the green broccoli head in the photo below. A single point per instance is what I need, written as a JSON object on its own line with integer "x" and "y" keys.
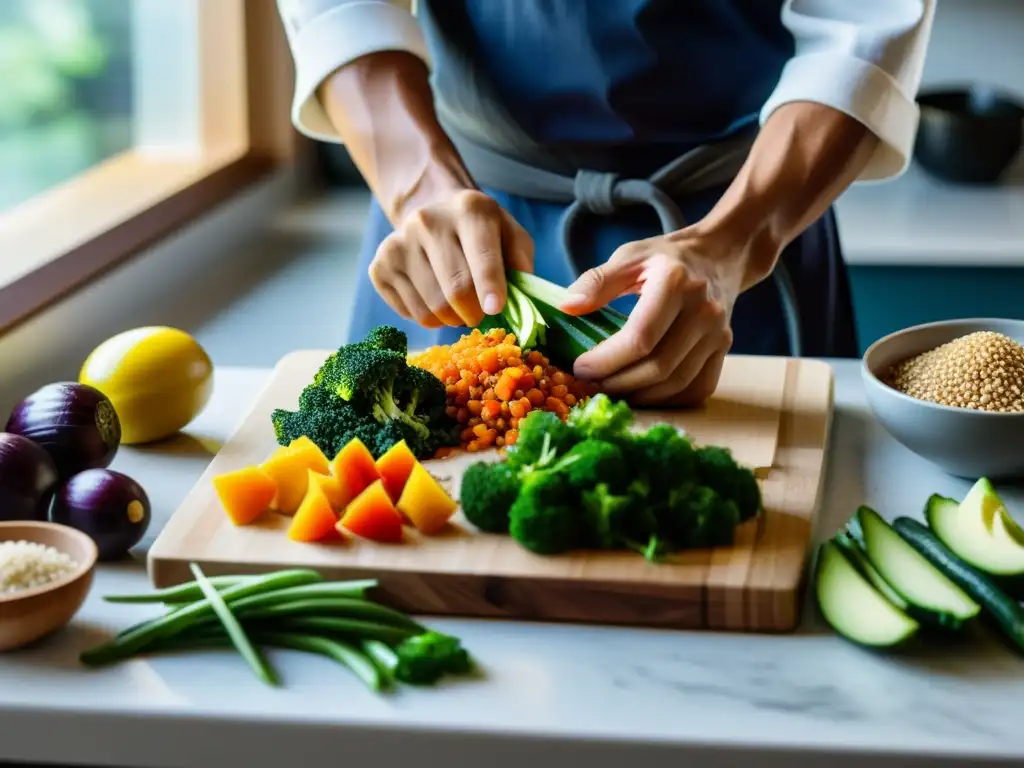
{"x": 592, "y": 462}
{"x": 664, "y": 455}
{"x": 374, "y": 378}
{"x": 543, "y": 518}
{"x": 602, "y": 418}
{"x": 330, "y": 426}
{"x": 379, "y": 438}
{"x": 696, "y": 516}
{"x": 426, "y": 658}
{"x": 487, "y": 493}
{"x": 542, "y": 436}
{"x": 717, "y": 468}
{"x": 389, "y": 338}
{"x": 606, "y": 516}
{"x": 422, "y": 391}
{"x": 364, "y": 374}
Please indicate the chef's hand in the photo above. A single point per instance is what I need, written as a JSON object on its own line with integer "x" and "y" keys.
{"x": 673, "y": 346}
{"x": 445, "y": 262}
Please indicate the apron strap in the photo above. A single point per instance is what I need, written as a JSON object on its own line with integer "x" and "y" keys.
{"x": 602, "y": 194}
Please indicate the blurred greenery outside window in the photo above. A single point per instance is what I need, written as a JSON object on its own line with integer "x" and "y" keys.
{"x": 65, "y": 91}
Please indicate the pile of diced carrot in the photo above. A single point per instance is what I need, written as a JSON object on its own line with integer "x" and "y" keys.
{"x": 491, "y": 386}
{"x": 349, "y": 494}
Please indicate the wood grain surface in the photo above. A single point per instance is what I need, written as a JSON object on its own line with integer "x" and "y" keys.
{"x": 774, "y": 413}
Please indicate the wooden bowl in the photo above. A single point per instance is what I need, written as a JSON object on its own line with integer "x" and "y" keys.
{"x": 31, "y": 614}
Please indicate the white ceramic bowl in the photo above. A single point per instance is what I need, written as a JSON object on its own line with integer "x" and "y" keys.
{"x": 965, "y": 443}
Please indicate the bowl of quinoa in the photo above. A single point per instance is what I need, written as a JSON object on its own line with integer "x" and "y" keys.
{"x": 953, "y": 393}
{"x": 46, "y": 571}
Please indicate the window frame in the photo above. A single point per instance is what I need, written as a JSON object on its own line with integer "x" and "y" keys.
{"x": 69, "y": 235}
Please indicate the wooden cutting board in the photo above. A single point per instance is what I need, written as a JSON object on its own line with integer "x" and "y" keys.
{"x": 774, "y": 413}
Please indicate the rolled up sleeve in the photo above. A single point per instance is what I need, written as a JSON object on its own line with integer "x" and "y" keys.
{"x": 864, "y": 59}
{"x": 325, "y": 35}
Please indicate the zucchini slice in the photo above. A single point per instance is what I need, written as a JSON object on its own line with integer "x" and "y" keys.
{"x": 854, "y": 608}
{"x": 977, "y": 531}
{"x": 906, "y": 570}
{"x": 1000, "y": 607}
{"x": 853, "y": 552}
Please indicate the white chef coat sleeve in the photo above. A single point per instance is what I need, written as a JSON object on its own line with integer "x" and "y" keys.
{"x": 864, "y": 59}
{"x": 325, "y": 35}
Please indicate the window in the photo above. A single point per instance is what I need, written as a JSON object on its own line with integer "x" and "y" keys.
{"x": 120, "y": 121}
{"x": 67, "y": 100}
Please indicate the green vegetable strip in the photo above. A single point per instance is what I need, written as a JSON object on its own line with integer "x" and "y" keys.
{"x": 331, "y": 591}
{"x": 345, "y": 654}
{"x": 350, "y": 628}
{"x": 125, "y": 646}
{"x": 383, "y": 656}
{"x": 233, "y": 629}
{"x": 181, "y": 593}
{"x": 323, "y": 589}
{"x": 341, "y": 607}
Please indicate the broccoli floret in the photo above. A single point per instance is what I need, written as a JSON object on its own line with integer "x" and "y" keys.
{"x": 330, "y": 426}
{"x": 391, "y": 400}
{"x": 717, "y": 468}
{"x": 695, "y": 516}
{"x": 606, "y": 515}
{"x": 540, "y": 431}
{"x": 714, "y": 518}
{"x": 543, "y": 518}
{"x": 487, "y": 493}
{"x": 314, "y": 398}
{"x": 362, "y": 374}
{"x": 421, "y": 659}
{"x": 595, "y": 461}
{"x": 388, "y": 337}
{"x": 602, "y": 418}
{"x": 664, "y": 455}
{"x": 425, "y": 659}
{"x": 379, "y": 438}
{"x": 422, "y": 391}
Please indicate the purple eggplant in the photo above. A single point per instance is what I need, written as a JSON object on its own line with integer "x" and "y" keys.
{"x": 108, "y": 506}
{"x": 75, "y": 423}
{"x": 27, "y": 479}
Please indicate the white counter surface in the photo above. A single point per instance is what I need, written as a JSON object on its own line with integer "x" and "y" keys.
{"x": 552, "y": 695}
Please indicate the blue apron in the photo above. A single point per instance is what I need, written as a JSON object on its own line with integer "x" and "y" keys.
{"x": 622, "y": 86}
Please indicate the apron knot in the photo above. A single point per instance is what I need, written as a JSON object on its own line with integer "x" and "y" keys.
{"x": 595, "y": 191}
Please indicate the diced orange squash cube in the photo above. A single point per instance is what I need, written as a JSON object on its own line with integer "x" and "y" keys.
{"x": 394, "y": 467}
{"x": 289, "y": 468}
{"x": 425, "y": 503}
{"x": 315, "y": 518}
{"x": 315, "y": 458}
{"x": 354, "y": 467}
{"x": 335, "y": 492}
{"x": 245, "y": 493}
{"x": 372, "y": 515}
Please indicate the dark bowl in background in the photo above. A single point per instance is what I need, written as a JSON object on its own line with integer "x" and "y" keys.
{"x": 968, "y": 135}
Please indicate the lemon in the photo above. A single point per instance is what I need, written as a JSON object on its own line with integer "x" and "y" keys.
{"x": 158, "y": 379}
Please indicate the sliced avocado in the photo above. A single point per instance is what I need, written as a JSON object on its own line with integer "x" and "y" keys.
{"x": 854, "y": 608}
{"x": 978, "y": 530}
{"x": 1005, "y": 528}
{"x": 906, "y": 570}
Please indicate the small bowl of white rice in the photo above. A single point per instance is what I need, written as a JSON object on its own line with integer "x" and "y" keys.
{"x": 46, "y": 571}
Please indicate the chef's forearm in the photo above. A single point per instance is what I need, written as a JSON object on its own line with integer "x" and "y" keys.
{"x": 805, "y": 156}
{"x": 382, "y": 108}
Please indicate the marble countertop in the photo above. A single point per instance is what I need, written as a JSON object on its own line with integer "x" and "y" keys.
{"x": 552, "y": 693}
